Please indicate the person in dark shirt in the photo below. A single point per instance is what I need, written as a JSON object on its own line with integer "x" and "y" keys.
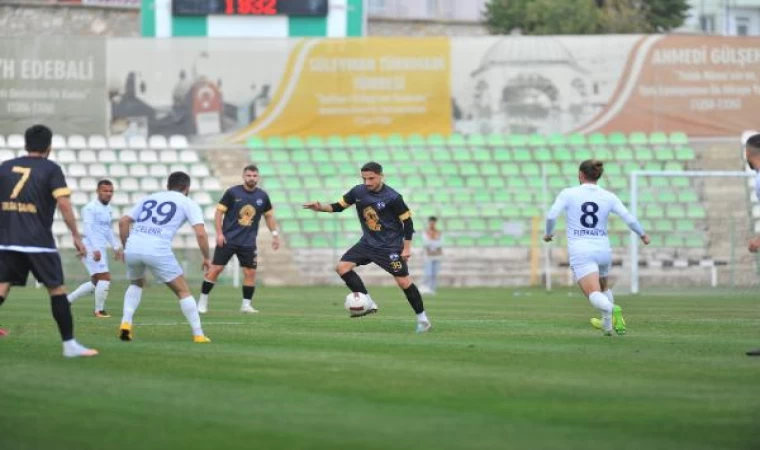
{"x": 30, "y": 189}
{"x": 237, "y": 224}
{"x": 387, "y": 230}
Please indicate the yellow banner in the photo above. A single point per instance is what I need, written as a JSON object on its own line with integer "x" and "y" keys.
{"x": 360, "y": 86}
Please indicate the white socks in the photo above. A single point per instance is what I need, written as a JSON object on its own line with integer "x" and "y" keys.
{"x": 610, "y": 297}
{"x": 246, "y": 303}
{"x": 190, "y": 310}
{"x": 131, "y": 301}
{"x": 603, "y": 304}
{"x": 81, "y": 291}
{"x": 101, "y": 293}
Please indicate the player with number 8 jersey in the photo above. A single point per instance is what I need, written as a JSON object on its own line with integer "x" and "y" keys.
{"x": 587, "y": 207}
{"x": 154, "y": 221}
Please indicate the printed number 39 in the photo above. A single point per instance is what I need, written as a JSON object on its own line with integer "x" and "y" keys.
{"x": 25, "y": 172}
{"x": 164, "y": 212}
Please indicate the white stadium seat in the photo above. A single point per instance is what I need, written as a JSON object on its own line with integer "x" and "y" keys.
{"x": 107, "y": 156}
{"x": 6, "y": 154}
{"x": 120, "y": 199}
{"x": 150, "y": 184}
{"x": 98, "y": 170}
{"x": 78, "y": 142}
{"x": 188, "y": 156}
{"x": 59, "y": 228}
{"x": 58, "y": 142}
{"x": 159, "y": 171}
{"x": 178, "y": 168}
{"x": 15, "y": 141}
{"x": 128, "y": 156}
{"x": 202, "y": 198}
{"x": 77, "y": 170}
{"x": 129, "y": 185}
{"x": 178, "y": 142}
{"x": 65, "y": 156}
{"x": 209, "y": 212}
{"x": 72, "y": 183}
{"x": 137, "y": 196}
{"x": 138, "y": 142}
{"x": 88, "y": 184}
{"x": 97, "y": 142}
{"x": 2, "y": 141}
{"x": 157, "y": 142}
{"x": 118, "y": 170}
{"x": 168, "y": 156}
{"x": 199, "y": 171}
{"x": 79, "y": 198}
{"x": 117, "y": 143}
{"x": 138, "y": 170}
{"x": 211, "y": 184}
{"x": 87, "y": 156}
{"x": 148, "y": 156}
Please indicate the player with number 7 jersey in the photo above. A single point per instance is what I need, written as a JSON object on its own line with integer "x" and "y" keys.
{"x": 587, "y": 208}
{"x": 148, "y": 245}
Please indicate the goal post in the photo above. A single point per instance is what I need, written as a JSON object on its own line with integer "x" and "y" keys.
{"x": 635, "y": 178}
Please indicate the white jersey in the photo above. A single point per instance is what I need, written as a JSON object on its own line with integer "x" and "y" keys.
{"x": 98, "y": 233}
{"x": 157, "y": 218}
{"x": 757, "y": 184}
{"x": 587, "y": 207}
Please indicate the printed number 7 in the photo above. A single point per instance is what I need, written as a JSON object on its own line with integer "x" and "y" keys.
{"x": 25, "y": 172}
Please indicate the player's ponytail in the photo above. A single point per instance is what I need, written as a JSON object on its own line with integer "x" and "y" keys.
{"x": 592, "y": 169}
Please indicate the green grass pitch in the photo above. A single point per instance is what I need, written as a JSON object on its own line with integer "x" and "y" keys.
{"x": 498, "y": 371}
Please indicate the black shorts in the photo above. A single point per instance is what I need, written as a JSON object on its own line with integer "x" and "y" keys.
{"x": 46, "y": 267}
{"x": 389, "y": 260}
{"x": 246, "y": 256}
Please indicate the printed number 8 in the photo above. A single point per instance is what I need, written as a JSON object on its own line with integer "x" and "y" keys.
{"x": 165, "y": 212}
{"x": 589, "y": 219}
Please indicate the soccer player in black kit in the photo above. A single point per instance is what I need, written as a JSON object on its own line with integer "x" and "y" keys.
{"x": 237, "y": 224}
{"x": 30, "y": 189}
{"x": 386, "y": 239}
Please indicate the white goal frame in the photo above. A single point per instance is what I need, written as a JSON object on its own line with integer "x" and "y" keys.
{"x": 634, "y": 182}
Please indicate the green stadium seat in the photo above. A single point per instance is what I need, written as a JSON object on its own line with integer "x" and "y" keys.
{"x": 524, "y": 197}
{"x": 576, "y": 139}
{"x": 487, "y": 241}
{"x": 537, "y": 140}
{"x": 685, "y": 226}
{"x": 666, "y": 196}
{"x": 597, "y": 139}
{"x": 515, "y": 181}
{"x": 340, "y": 155}
{"x": 522, "y": 154}
{"x": 449, "y": 169}
{"x": 406, "y": 169}
{"x": 623, "y": 154}
{"x": 673, "y": 241}
{"x": 673, "y": 166}
{"x": 294, "y": 142}
{"x": 461, "y": 154}
{"x": 694, "y": 242}
{"x": 688, "y": 196}
{"x": 663, "y": 226}
{"x": 428, "y": 170}
{"x": 311, "y": 225}
{"x": 312, "y": 183}
{"x": 481, "y": 154}
{"x": 531, "y": 170}
{"x": 455, "y": 224}
{"x": 395, "y": 141}
{"x": 477, "y": 224}
{"x": 296, "y": 240}
{"x": 556, "y": 139}
{"x": 517, "y": 140}
{"x": 603, "y": 153}
{"x": 657, "y": 182}
{"x": 653, "y": 167}
{"x": 481, "y": 196}
{"x": 415, "y": 140}
{"x": 300, "y": 156}
{"x": 477, "y": 140}
{"x": 643, "y": 153}
{"x": 510, "y": 211}
{"x": 615, "y": 240}
{"x": 320, "y": 155}
{"x": 680, "y": 182}
{"x": 653, "y": 211}
{"x": 335, "y": 142}
{"x": 658, "y": 138}
{"x": 542, "y": 154}
{"x": 510, "y": 169}
{"x": 455, "y": 182}
{"x": 617, "y": 139}
{"x": 581, "y": 154}
{"x": 551, "y": 169}
{"x": 638, "y": 138}
{"x": 373, "y": 142}
{"x": 357, "y": 142}
{"x": 327, "y": 170}
{"x": 676, "y": 211}
{"x": 320, "y": 241}
{"x": 414, "y": 182}
{"x": 616, "y": 183}
{"x": 695, "y": 211}
{"x": 456, "y": 141}
{"x": 436, "y": 182}
{"x": 256, "y": 142}
{"x": 379, "y": 154}
{"x": 290, "y": 226}
{"x": 469, "y": 169}
{"x": 685, "y": 154}
{"x": 436, "y": 153}
{"x": 436, "y": 139}
{"x": 292, "y": 183}
{"x": 334, "y": 183}
{"x": 611, "y": 169}
{"x": 557, "y": 183}
{"x": 662, "y": 153}
{"x": 562, "y": 154}
{"x": 489, "y": 169}
{"x": 502, "y": 154}
{"x": 678, "y": 138}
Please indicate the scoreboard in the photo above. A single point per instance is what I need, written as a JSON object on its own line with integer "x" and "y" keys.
{"x": 313, "y": 8}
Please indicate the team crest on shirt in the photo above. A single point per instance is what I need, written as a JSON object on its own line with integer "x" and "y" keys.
{"x": 246, "y": 215}
{"x": 393, "y": 256}
{"x": 259, "y": 202}
{"x": 380, "y": 206}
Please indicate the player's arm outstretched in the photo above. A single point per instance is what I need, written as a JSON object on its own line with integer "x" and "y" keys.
{"x": 619, "y": 208}
{"x": 346, "y": 201}
{"x": 62, "y": 195}
{"x": 551, "y": 217}
{"x": 399, "y": 207}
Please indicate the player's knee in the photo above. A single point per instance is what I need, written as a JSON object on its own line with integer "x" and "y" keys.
{"x": 343, "y": 268}
{"x": 404, "y": 282}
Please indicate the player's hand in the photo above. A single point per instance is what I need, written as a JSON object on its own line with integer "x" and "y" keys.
{"x": 754, "y": 245}
{"x": 118, "y": 254}
{"x": 96, "y": 255}
{"x": 548, "y": 237}
{"x": 205, "y": 265}
{"x": 220, "y": 240}
{"x": 275, "y": 242}
{"x": 79, "y": 246}
{"x": 314, "y": 206}
{"x": 645, "y": 240}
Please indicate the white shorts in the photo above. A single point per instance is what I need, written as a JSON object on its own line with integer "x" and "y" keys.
{"x": 591, "y": 260}
{"x": 95, "y": 267}
{"x": 163, "y": 267}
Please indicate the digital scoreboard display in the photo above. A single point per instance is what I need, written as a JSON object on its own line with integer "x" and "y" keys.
{"x": 313, "y": 8}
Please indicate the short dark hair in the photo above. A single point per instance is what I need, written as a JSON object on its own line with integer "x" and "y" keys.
{"x": 104, "y": 182}
{"x": 373, "y": 167}
{"x": 432, "y": 219}
{"x": 753, "y": 142}
{"x": 592, "y": 169}
{"x": 178, "y": 181}
{"x": 251, "y": 167}
{"x": 37, "y": 139}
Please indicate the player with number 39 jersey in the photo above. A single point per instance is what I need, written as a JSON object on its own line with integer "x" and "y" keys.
{"x": 587, "y": 208}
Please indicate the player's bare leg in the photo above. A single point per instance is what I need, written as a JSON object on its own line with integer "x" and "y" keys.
{"x": 132, "y": 298}
{"x": 189, "y": 308}
{"x": 5, "y": 288}
{"x": 345, "y": 269}
{"x": 414, "y": 298}
{"x": 209, "y": 280}
{"x": 249, "y": 287}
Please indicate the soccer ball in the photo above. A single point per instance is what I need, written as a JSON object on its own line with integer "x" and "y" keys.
{"x": 357, "y": 304}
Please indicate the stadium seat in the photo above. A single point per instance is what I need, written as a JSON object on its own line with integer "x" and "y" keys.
{"x": 63, "y": 156}
{"x": 129, "y": 184}
{"x": 88, "y": 184}
{"x": 158, "y": 142}
{"x": 94, "y": 142}
{"x": 15, "y": 141}
{"x": 138, "y": 170}
{"x": 117, "y": 143}
{"x": 87, "y": 156}
{"x": 148, "y": 156}
{"x": 107, "y": 156}
{"x": 202, "y": 198}
{"x": 678, "y": 138}
{"x": 168, "y": 156}
{"x": 161, "y": 171}
{"x": 58, "y": 142}
{"x": 6, "y": 154}
{"x": 150, "y": 184}
{"x": 685, "y": 154}
{"x": 576, "y": 139}
{"x": 597, "y": 139}
{"x": 98, "y": 170}
{"x": 188, "y": 156}
{"x": 178, "y": 142}
{"x": 137, "y": 142}
{"x": 658, "y": 138}
{"x": 638, "y": 138}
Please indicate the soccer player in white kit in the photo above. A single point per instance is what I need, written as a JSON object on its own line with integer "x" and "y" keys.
{"x": 96, "y": 218}
{"x": 752, "y": 153}
{"x": 587, "y": 207}
{"x": 154, "y": 222}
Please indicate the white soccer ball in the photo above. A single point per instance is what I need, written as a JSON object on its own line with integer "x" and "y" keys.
{"x": 357, "y": 304}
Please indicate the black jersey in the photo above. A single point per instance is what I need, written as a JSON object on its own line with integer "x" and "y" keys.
{"x": 381, "y": 215}
{"x": 243, "y": 210}
{"x": 29, "y": 187}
